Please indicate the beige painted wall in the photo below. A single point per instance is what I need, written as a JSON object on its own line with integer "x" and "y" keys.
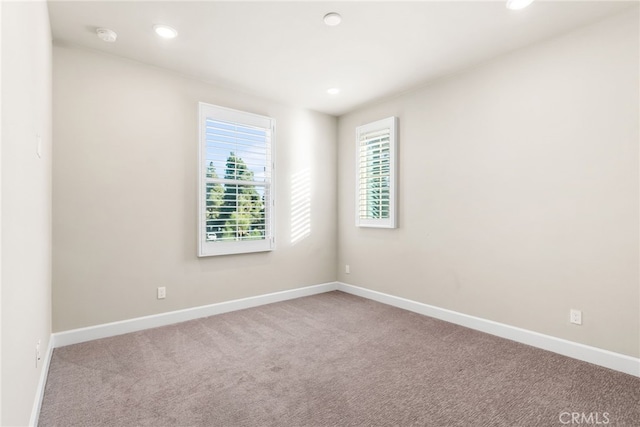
{"x": 518, "y": 190}
{"x": 26, "y": 203}
{"x": 125, "y": 194}
{"x": 1, "y": 214}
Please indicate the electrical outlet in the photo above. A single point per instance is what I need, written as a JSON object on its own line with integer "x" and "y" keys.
{"x": 575, "y": 317}
{"x": 37, "y": 353}
{"x": 347, "y": 269}
{"x": 162, "y": 292}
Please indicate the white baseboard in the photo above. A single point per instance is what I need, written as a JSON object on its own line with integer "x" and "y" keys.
{"x": 608, "y": 359}
{"x": 597, "y": 356}
{"x": 90, "y": 333}
{"x": 42, "y": 382}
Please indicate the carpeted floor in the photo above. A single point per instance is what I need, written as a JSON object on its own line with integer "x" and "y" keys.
{"x": 327, "y": 360}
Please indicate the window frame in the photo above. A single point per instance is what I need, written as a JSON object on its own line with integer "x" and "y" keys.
{"x": 224, "y": 114}
{"x": 390, "y": 123}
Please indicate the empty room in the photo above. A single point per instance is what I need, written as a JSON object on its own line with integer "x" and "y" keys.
{"x": 317, "y": 213}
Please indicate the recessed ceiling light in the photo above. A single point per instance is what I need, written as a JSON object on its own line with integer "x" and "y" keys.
{"x": 332, "y": 19}
{"x": 106, "y": 34}
{"x": 165, "y": 31}
{"x": 333, "y": 91}
{"x": 518, "y": 4}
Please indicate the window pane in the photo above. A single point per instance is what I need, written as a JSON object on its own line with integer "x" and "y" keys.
{"x": 376, "y": 176}
{"x": 235, "y": 172}
{"x": 241, "y": 151}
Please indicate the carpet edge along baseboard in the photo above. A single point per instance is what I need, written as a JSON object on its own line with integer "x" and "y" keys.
{"x": 609, "y": 359}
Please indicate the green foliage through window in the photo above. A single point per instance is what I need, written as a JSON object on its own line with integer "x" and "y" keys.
{"x": 234, "y": 211}
{"x": 236, "y": 182}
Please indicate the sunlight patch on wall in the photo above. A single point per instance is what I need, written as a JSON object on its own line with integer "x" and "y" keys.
{"x": 300, "y": 205}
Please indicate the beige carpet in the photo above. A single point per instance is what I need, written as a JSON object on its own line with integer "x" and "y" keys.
{"x": 327, "y": 360}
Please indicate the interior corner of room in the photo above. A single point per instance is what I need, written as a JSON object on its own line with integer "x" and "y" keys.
{"x": 517, "y": 190}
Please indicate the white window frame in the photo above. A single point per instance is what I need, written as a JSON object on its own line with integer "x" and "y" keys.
{"x": 208, "y": 248}
{"x": 389, "y": 124}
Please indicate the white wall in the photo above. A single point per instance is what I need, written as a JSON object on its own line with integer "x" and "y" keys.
{"x": 125, "y": 194}
{"x": 518, "y": 190}
{"x": 26, "y": 203}
{"x": 1, "y": 212}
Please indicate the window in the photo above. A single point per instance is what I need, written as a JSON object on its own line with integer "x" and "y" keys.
{"x": 376, "y": 174}
{"x": 236, "y": 207}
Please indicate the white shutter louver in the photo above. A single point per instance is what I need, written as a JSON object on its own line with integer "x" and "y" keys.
{"x": 236, "y": 164}
{"x": 376, "y": 174}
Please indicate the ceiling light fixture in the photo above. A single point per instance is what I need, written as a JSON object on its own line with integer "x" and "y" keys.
{"x": 165, "y": 31}
{"x": 333, "y": 91}
{"x": 332, "y": 19}
{"x": 518, "y": 4}
{"x": 106, "y": 35}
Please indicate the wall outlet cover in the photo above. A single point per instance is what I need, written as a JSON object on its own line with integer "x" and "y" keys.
{"x": 575, "y": 316}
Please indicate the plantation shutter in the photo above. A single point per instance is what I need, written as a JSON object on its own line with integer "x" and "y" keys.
{"x": 376, "y": 174}
{"x": 236, "y": 167}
